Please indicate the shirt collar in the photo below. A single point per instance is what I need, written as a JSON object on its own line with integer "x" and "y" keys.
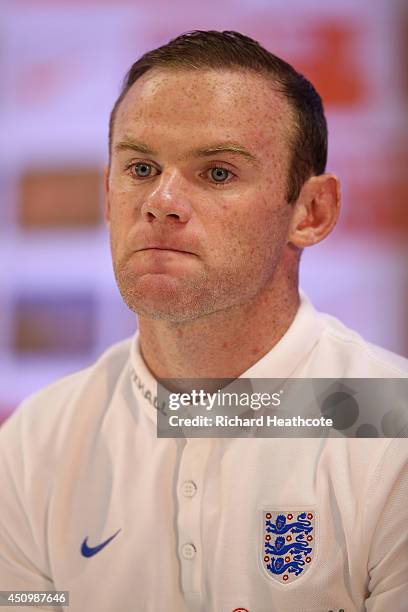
{"x": 281, "y": 361}
{"x": 291, "y": 350}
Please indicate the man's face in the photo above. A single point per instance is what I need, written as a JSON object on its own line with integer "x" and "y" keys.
{"x": 195, "y": 230}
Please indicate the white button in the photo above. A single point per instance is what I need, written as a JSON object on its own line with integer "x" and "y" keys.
{"x": 189, "y": 488}
{"x": 188, "y": 551}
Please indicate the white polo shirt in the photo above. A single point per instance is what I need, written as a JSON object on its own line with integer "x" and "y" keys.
{"x": 93, "y": 503}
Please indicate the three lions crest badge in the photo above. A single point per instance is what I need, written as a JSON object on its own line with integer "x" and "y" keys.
{"x": 288, "y": 543}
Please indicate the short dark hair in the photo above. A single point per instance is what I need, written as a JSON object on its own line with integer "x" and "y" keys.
{"x": 200, "y": 49}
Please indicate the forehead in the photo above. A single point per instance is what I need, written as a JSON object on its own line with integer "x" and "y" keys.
{"x": 193, "y": 106}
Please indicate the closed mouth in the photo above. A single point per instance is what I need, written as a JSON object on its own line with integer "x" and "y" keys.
{"x": 166, "y": 249}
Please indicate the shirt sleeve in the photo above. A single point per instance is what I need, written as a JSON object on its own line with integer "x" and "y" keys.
{"x": 23, "y": 556}
{"x": 388, "y": 557}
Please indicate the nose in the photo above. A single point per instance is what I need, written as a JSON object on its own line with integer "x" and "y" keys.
{"x": 168, "y": 202}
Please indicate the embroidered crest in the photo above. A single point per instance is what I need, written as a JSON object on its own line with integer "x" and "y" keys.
{"x": 288, "y": 543}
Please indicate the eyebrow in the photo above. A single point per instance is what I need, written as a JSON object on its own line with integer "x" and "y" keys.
{"x": 227, "y": 147}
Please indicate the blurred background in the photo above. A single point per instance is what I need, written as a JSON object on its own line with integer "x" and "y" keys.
{"x": 61, "y": 67}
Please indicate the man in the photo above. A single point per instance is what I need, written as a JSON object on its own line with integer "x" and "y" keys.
{"x": 216, "y": 182}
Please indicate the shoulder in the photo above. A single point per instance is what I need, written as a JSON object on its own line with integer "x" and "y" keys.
{"x": 350, "y": 355}
{"x": 51, "y": 411}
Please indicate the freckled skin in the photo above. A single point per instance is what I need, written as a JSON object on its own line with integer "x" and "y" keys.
{"x": 242, "y": 278}
{"x": 239, "y": 229}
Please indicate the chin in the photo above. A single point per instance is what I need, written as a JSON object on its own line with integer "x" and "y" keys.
{"x": 172, "y": 311}
{"x": 163, "y": 297}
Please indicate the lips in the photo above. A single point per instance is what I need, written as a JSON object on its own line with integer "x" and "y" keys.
{"x": 177, "y": 249}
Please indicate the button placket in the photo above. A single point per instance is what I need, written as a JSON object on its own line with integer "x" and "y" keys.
{"x": 190, "y": 491}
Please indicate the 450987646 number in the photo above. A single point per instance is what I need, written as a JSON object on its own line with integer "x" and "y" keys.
{"x": 34, "y": 598}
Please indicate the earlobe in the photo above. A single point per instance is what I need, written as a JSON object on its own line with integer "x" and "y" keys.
{"x": 316, "y": 210}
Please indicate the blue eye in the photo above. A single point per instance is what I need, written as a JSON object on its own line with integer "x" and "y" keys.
{"x": 219, "y": 175}
{"x": 143, "y": 170}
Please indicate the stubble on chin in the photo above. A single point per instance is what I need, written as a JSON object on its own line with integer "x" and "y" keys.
{"x": 177, "y": 299}
{"x": 162, "y": 297}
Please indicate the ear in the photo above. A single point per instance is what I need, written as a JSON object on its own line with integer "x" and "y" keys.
{"x": 316, "y": 210}
{"x": 106, "y": 208}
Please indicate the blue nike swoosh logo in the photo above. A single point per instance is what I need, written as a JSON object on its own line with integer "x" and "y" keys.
{"x": 90, "y": 551}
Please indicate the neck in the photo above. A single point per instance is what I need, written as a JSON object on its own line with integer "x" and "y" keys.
{"x": 221, "y": 345}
